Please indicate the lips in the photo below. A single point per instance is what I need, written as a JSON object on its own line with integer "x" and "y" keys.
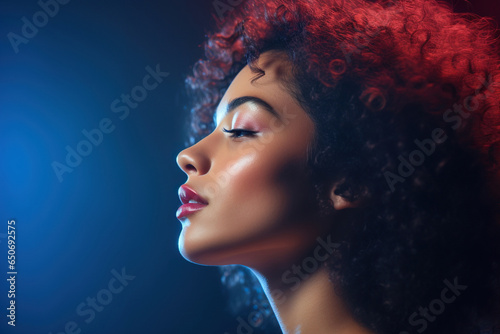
{"x": 191, "y": 202}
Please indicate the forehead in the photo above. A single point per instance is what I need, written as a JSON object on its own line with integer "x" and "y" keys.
{"x": 269, "y": 87}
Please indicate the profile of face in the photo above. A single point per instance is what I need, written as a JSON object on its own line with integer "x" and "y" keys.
{"x": 252, "y": 172}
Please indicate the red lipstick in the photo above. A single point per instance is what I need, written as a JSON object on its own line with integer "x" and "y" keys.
{"x": 191, "y": 201}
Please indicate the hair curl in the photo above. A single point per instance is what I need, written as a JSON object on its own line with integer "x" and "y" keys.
{"x": 379, "y": 79}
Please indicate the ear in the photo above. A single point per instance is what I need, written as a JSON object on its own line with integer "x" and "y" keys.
{"x": 339, "y": 202}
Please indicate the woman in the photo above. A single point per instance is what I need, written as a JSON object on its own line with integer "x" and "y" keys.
{"x": 347, "y": 153}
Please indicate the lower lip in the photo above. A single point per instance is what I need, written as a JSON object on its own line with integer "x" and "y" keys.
{"x": 188, "y": 208}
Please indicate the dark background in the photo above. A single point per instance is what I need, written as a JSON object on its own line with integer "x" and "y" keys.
{"x": 116, "y": 209}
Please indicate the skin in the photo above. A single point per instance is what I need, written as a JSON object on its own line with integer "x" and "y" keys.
{"x": 261, "y": 211}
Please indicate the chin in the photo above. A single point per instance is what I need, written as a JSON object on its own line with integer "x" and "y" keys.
{"x": 219, "y": 255}
{"x": 198, "y": 252}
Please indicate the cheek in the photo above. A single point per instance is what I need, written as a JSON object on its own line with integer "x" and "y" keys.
{"x": 263, "y": 189}
{"x": 254, "y": 197}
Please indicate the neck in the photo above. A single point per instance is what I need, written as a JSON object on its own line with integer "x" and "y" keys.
{"x": 308, "y": 306}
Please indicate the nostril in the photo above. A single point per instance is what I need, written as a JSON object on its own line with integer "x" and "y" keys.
{"x": 190, "y": 168}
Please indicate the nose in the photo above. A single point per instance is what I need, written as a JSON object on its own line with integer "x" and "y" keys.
{"x": 193, "y": 160}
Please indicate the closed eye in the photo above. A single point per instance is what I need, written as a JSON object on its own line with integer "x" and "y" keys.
{"x": 237, "y": 133}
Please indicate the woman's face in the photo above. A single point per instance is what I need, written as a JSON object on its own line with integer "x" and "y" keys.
{"x": 260, "y": 208}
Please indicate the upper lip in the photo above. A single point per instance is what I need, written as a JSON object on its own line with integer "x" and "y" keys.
{"x": 187, "y": 194}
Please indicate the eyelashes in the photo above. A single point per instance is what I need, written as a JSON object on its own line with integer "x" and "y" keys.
{"x": 237, "y": 133}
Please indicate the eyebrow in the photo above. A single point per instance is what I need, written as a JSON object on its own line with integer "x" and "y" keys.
{"x": 235, "y": 103}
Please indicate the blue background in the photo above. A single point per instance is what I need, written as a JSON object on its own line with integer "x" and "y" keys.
{"x": 116, "y": 209}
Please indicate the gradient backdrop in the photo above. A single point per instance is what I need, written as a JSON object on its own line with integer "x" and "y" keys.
{"x": 105, "y": 232}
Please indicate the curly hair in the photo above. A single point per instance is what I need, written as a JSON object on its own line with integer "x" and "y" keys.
{"x": 405, "y": 97}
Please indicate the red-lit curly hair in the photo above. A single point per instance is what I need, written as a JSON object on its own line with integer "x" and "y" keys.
{"x": 405, "y": 100}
